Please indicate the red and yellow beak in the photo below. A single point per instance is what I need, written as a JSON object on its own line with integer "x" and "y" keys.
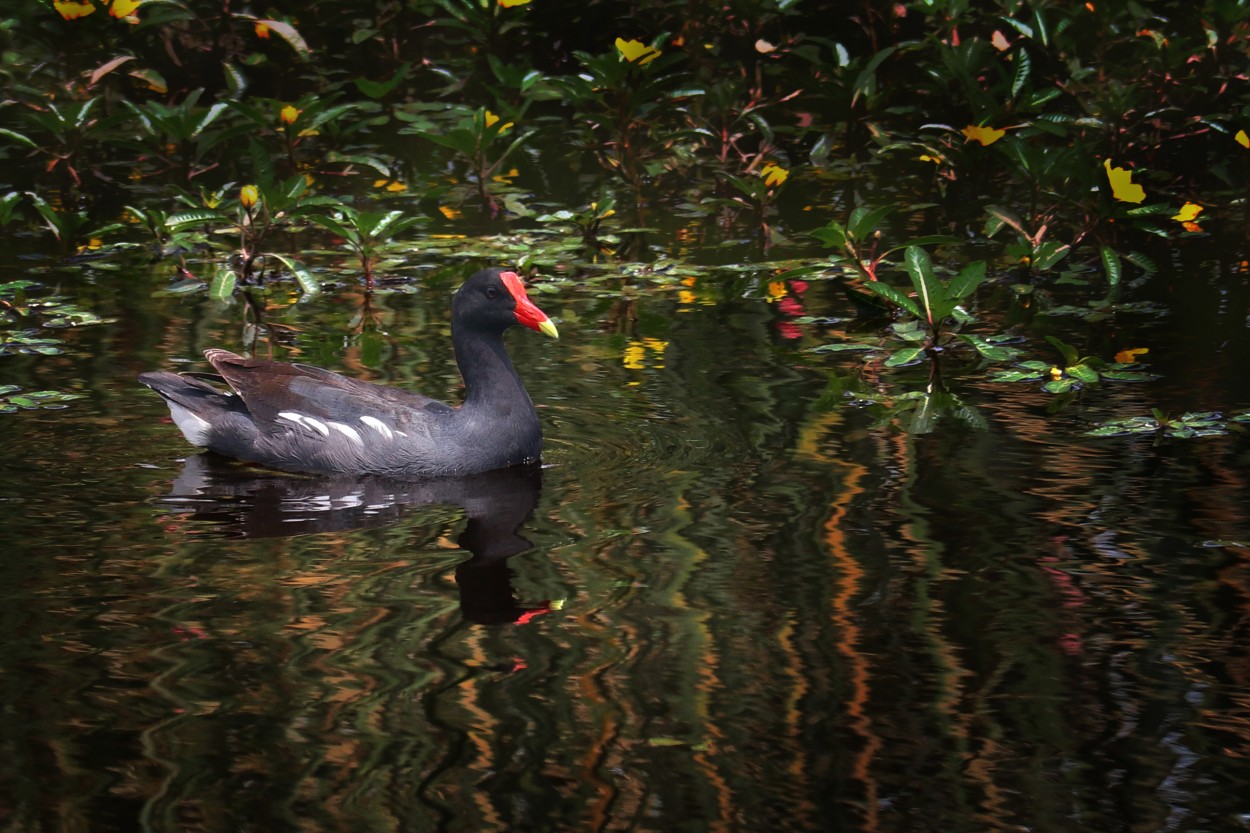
{"x": 526, "y": 312}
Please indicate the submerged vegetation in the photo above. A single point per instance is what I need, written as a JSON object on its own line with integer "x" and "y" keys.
{"x": 969, "y": 171}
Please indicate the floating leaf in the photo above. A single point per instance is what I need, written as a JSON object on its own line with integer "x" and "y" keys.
{"x": 906, "y": 356}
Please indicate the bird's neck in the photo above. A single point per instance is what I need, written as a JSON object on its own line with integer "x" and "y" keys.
{"x": 490, "y": 380}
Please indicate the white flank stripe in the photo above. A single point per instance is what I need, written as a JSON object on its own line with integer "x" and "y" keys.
{"x": 379, "y": 426}
{"x": 349, "y": 432}
{"x": 317, "y": 425}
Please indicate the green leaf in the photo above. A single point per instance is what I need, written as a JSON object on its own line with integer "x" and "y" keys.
{"x": 866, "y": 82}
{"x": 1070, "y": 356}
{"x": 1000, "y": 217}
{"x": 967, "y": 281}
{"x": 1060, "y": 385}
{"x": 309, "y": 284}
{"x": 844, "y": 347}
{"x": 1023, "y": 65}
{"x": 1049, "y": 253}
{"x": 905, "y": 356}
{"x": 1083, "y": 373}
{"x": 993, "y": 352}
{"x": 18, "y": 137}
{"x": 1014, "y": 376}
{"x": 1111, "y": 264}
{"x": 864, "y": 221}
{"x": 926, "y": 240}
{"x": 932, "y": 294}
{"x": 1128, "y": 375}
{"x": 894, "y": 296}
{"x": 832, "y": 235}
{"x": 175, "y": 222}
{"x": 222, "y": 286}
{"x": 336, "y": 228}
{"x": 288, "y": 33}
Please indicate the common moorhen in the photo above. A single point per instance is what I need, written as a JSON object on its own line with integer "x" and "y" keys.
{"x": 302, "y": 418}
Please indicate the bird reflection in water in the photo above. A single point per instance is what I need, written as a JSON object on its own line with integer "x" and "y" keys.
{"x": 236, "y": 500}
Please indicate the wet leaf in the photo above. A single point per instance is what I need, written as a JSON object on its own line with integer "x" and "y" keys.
{"x": 222, "y": 285}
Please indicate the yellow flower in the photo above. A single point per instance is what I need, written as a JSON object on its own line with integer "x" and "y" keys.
{"x": 776, "y": 290}
{"x": 507, "y": 4}
{"x": 248, "y": 195}
{"x": 636, "y": 52}
{"x": 774, "y": 174}
{"x": 73, "y": 11}
{"x": 390, "y": 185}
{"x": 1130, "y": 355}
{"x": 936, "y": 160}
{"x": 1188, "y": 213}
{"x": 289, "y": 114}
{"x": 985, "y": 135}
{"x": 123, "y": 8}
{"x": 262, "y": 31}
{"x": 1122, "y": 186}
{"x": 1242, "y": 139}
{"x": 449, "y": 212}
{"x": 1056, "y": 373}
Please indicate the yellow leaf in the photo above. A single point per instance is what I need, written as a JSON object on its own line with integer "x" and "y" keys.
{"x": 636, "y": 52}
{"x": 985, "y": 135}
{"x": 1128, "y": 356}
{"x": 123, "y": 8}
{"x": 936, "y": 160}
{"x": 508, "y": 4}
{"x": 1122, "y": 186}
{"x": 1188, "y": 213}
{"x": 449, "y": 212}
{"x": 1242, "y": 139}
{"x": 72, "y": 11}
{"x": 492, "y": 120}
{"x": 774, "y": 174}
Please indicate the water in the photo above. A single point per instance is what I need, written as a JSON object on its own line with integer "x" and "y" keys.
{"x": 728, "y": 601}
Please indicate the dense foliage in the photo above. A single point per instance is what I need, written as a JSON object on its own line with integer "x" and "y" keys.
{"x": 1057, "y": 138}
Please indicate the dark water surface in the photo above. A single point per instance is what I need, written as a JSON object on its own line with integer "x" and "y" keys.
{"x": 728, "y": 601}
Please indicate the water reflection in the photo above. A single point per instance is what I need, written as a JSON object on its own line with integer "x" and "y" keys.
{"x": 216, "y": 496}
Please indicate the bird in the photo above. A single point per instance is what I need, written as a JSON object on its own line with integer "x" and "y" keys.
{"x": 297, "y": 417}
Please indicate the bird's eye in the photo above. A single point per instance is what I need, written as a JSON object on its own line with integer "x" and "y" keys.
{"x": 492, "y": 292}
